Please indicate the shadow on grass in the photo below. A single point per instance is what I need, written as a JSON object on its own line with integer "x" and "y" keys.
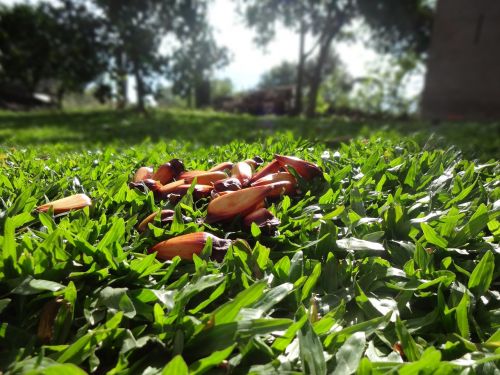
{"x": 80, "y": 129}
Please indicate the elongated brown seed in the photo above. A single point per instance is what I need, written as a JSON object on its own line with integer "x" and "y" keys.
{"x": 275, "y": 177}
{"x": 263, "y": 218}
{"x": 191, "y": 174}
{"x": 272, "y": 167}
{"x": 243, "y": 172}
{"x": 188, "y": 244}
{"x": 240, "y": 202}
{"x": 281, "y": 188}
{"x": 305, "y": 169}
{"x": 278, "y": 177}
{"x": 207, "y": 178}
{"x": 227, "y": 184}
{"x": 143, "y": 173}
{"x": 227, "y": 165}
{"x": 166, "y": 216}
{"x": 73, "y": 202}
{"x": 200, "y": 191}
{"x": 162, "y": 191}
{"x": 168, "y": 171}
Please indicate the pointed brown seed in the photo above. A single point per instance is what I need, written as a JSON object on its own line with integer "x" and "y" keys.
{"x": 164, "y": 174}
{"x": 227, "y": 184}
{"x": 275, "y": 177}
{"x": 166, "y": 216}
{"x": 168, "y": 171}
{"x": 215, "y": 194}
{"x": 278, "y": 177}
{"x": 191, "y": 174}
{"x": 207, "y": 178}
{"x": 281, "y": 188}
{"x": 272, "y": 167}
{"x": 263, "y": 218}
{"x": 252, "y": 163}
{"x": 227, "y": 165}
{"x": 305, "y": 169}
{"x": 243, "y": 172}
{"x": 199, "y": 192}
{"x": 143, "y": 173}
{"x": 240, "y": 202}
{"x": 188, "y": 244}
{"x": 162, "y": 191}
{"x": 73, "y": 202}
{"x": 151, "y": 184}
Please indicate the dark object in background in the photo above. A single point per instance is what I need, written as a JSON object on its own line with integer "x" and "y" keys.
{"x": 15, "y": 97}
{"x": 463, "y": 76}
{"x": 276, "y": 100}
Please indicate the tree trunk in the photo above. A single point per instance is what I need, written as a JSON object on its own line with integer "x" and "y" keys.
{"x": 121, "y": 80}
{"x": 202, "y": 93}
{"x": 316, "y": 80}
{"x": 300, "y": 71}
{"x": 60, "y": 97}
{"x": 189, "y": 98}
{"x": 140, "y": 89}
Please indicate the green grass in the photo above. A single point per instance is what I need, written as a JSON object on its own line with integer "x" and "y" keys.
{"x": 397, "y": 248}
{"x": 78, "y": 130}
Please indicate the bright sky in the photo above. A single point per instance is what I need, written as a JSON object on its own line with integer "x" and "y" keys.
{"x": 250, "y": 61}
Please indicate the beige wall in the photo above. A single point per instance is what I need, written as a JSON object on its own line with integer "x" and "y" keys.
{"x": 463, "y": 78}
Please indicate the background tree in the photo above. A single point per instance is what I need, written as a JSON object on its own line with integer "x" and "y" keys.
{"x": 395, "y": 26}
{"x": 60, "y": 47}
{"x": 194, "y": 62}
{"x": 399, "y": 27}
{"x": 136, "y": 30}
{"x": 323, "y": 21}
{"x": 281, "y": 75}
{"x": 222, "y": 88}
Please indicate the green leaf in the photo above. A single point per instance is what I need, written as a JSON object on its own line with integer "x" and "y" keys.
{"x": 34, "y": 286}
{"x": 9, "y": 252}
{"x": 462, "y": 314}
{"x": 432, "y": 237}
{"x": 350, "y": 353}
{"x": 410, "y": 348}
{"x": 117, "y": 299}
{"x": 359, "y": 245}
{"x": 214, "y": 359}
{"x": 426, "y": 364}
{"x": 4, "y": 303}
{"x": 176, "y": 366}
{"x": 481, "y": 277}
{"x": 230, "y": 310}
{"x": 311, "y": 282}
{"x": 478, "y": 220}
{"x": 255, "y": 230}
{"x": 311, "y": 351}
{"x": 267, "y": 301}
{"x": 281, "y": 342}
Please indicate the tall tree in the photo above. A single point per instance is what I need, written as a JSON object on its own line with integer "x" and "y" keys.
{"x": 136, "y": 30}
{"x": 323, "y": 21}
{"x": 284, "y": 74}
{"x": 399, "y": 27}
{"x": 194, "y": 62}
{"x": 61, "y": 45}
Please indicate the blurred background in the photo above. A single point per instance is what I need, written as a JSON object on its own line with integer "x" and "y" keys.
{"x": 373, "y": 60}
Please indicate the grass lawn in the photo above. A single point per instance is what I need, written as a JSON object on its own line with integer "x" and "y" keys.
{"x": 387, "y": 264}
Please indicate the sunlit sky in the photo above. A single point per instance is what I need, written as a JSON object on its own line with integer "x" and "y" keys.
{"x": 249, "y": 61}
